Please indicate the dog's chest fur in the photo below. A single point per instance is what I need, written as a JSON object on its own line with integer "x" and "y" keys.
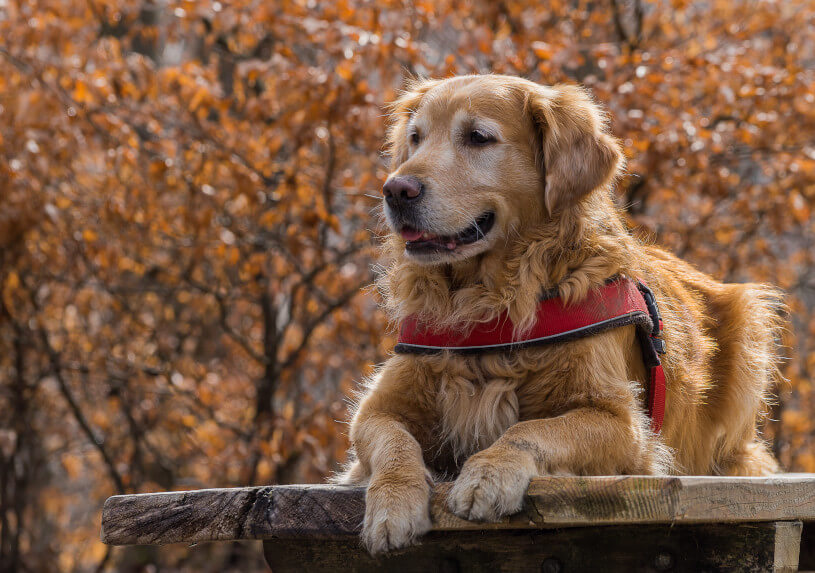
{"x": 473, "y": 414}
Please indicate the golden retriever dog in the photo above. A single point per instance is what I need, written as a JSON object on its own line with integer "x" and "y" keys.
{"x": 501, "y": 190}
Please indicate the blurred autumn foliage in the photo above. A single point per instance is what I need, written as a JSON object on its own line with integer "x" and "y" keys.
{"x": 188, "y": 189}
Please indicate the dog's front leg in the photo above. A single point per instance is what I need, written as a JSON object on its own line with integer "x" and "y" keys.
{"x": 398, "y": 497}
{"x": 492, "y": 483}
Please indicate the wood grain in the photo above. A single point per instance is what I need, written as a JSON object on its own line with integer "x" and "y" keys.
{"x": 234, "y": 513}
{"x": 326, "y": 512}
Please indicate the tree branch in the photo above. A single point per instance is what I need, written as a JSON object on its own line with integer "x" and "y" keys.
{"x": 317, "y": 321}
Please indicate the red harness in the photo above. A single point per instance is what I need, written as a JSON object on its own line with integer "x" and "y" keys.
{"x": 619, "y": 302}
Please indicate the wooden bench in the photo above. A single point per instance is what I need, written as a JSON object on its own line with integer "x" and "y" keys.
{"x": 609, "y": 523}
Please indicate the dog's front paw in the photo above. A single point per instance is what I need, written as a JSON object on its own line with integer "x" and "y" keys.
{"x": 395, "y": 514}
{"x": 487, "y": 490}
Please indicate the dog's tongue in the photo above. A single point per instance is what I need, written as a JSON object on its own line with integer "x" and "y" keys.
{"x": 409, "y": 234}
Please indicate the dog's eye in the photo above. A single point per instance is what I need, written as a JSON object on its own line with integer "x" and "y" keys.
{"x": 478, "y": 137}
{"x": 414, "y": 138}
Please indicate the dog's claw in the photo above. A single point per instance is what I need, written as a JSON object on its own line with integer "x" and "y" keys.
{"x": 487, "y": 492}
{"x": 395, "y": 517}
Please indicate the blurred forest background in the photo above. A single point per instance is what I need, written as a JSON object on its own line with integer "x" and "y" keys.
{"x": 188, "y": 196}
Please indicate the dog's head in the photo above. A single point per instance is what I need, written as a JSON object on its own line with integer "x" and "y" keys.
{"x": 477, "y": 160}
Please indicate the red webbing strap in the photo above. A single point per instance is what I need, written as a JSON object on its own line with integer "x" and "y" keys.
{"x": 656, "y": 397}
{"x": 652, "y": 346}
{"x": 617, "y": 303}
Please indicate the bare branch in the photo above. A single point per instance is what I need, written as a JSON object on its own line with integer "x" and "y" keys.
{"x": 318, "y": 320}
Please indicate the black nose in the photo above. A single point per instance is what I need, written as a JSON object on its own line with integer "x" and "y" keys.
{"x": 402, "y": 190}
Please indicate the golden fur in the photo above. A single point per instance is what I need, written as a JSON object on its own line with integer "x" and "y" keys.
{"x": 494, "y": 421}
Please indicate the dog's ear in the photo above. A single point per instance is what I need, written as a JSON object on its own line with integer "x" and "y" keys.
{"x": 575, "y": 152}
{"x": 400, "y": 112}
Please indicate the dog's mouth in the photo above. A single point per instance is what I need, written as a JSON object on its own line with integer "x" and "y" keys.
{"x": 419, "y": 241}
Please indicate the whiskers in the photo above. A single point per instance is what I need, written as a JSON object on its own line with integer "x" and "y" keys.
{"x": 472, "y": 220}
{"x": 367, "y": 193}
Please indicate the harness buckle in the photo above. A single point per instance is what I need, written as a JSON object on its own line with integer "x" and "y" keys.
{"x": 656, "y": 317}
{"x": 658, "y": 344}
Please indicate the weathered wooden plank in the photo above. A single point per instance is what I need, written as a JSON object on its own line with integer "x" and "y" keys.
{"x": 602, "y": 500}
{"x": 759, "y": 547}
{"x": 787, "y": 546}
{"x": 325, "y": 511}
{"x": 234, "y": 513}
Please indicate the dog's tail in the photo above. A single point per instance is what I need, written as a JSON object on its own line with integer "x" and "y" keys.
{"x": 755, "y": 319}
{"x": 765, "y": 317}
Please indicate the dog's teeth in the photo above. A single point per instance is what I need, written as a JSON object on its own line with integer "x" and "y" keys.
{"x": 425, "y": 235}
